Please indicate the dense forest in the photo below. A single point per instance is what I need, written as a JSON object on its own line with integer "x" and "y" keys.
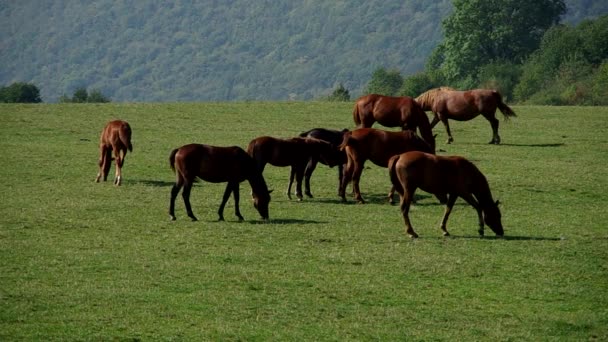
{"x": 221, "y": 50}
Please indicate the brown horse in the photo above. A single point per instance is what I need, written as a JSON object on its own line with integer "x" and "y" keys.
{"x": 447, "y": 178}
{"x": 333, "y": 137}
{"x": 217, "y": 165}
{"x": 295, "y": 152}
{"x": 390, "y": 111}
{"x": 116, "y": 138}
{"x": 378, "y": 146}
{"x": 447, "y": 103}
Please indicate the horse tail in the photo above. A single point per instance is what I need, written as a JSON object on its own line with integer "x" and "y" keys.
{"x": 172, "y": 159}
{"x": 504, "y": 109}
{"x": 392, "y": 171}
{"x": 356, "y": 117}
{"x": 346, "y": 140}
{"x": 125, "y": 136}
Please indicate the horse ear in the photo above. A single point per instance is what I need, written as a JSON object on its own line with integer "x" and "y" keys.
{"x": 435, "y": 136}
{"x": 497, "y": 203}
{"x": 270, "y": 191}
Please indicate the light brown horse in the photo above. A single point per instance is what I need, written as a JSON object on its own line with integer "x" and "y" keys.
{"x": 378, "y": 146}
{"x": 447, "y": 178}
{"x": 447, "y": 103}
{"x": 115, "y": 138}
{"x": 391, "y": 111}
{"x": 217, "y": 165}
{"x": 294, "y": 152}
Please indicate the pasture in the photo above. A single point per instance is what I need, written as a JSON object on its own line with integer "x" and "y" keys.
{"x": 81, "y": 260}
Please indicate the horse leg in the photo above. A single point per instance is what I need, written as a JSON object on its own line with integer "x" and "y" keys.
{"x": 186, "y": 197}
{"x": 310, "y": 167}
{"x": 444, "y": 119}
{"x": 494, "y": 124}
{"x": 340, "y": 177}
{"x": 347, "y": 176}
{"x": 391, "y": 194}
{"x": 299, "y": 177}
{"x": 235, "y": 191}
{"x": 292, "y": 173}
{"x": 227, "y": 192}
{"x": 174, "y": 191}
{"x": 435, "y": 120}
{"x": 448, "y": 209}
{"x": 118, "y": 172}
{"x": 356, "y": 178}
{"x": 406, "y": 200}
{"x": 471, "y": 200}
{"x": 102, "y": 163}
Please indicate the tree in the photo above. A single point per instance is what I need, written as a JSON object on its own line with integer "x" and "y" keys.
{"x": 482, "y": 31}
{"x": 385, "y": 82}
{"x": 81, "y": 95}
{"x": 339, "y": 94}
{"x": 20, "y": 92}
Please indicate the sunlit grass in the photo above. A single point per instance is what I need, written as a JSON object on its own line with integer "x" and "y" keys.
{"x": 87, "y": 261}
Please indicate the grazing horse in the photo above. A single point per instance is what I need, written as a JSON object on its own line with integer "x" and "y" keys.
{"x": 391, "y": 111}
{"x": 447, "y": 103}
{"x": 378, "y": 146}
{"x": 335, "y": 139}
{"x": 295, "y": 152}
{"x": 217, "y": 165}
{"x": 115, "y": 138}
{"x": 447, "y": 178}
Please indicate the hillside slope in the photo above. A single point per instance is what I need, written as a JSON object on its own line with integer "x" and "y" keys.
{"x": 212, "y": 49}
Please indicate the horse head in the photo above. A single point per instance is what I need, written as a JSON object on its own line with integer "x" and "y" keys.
{"x": 492, "y": 218}
{"x": 260, "y": 202}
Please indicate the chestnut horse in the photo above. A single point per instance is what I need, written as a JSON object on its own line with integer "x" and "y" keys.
{"x": 335, "y": 139}
{"x": 295, "y": 152}
{"x": 115, "y": 138}
{"x": 217, "y": 165}
{"x": 391, "y": 111}
{"x": 378, "y": 146}
{"x": 447, "y": 178}
{"x": 447, "y": 103}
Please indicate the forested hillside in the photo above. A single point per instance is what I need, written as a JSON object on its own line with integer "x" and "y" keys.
{"x": 219, "y": 49}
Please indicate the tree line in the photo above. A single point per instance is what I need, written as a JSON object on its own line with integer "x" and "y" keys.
{"x": 520, "y": 49}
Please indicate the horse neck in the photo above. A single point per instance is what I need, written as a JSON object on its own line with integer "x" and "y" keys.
{"x": 258, "y": 184}
{"x": 482, "y": 191}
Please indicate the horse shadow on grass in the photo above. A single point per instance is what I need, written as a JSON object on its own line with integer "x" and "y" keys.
{"x": 150, "y": 182}
{"x": 380, "y": 199}
{"x": 527, "y": 145}
{"x": 508, "y": 238}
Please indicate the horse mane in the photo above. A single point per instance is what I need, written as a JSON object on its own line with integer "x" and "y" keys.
{"x": 427, "y": 98}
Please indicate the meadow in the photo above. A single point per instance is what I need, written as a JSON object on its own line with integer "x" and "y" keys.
{"x": 81, "y": 260}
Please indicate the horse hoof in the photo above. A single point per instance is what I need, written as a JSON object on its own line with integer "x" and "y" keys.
{"x": 446, "y": 234}
{"x": 219, "y": 219}
{"x": 309, "y": 195}
{"x": 413, "y": 235}
{"x": 193, "y": 218}
{"x": 172, "y": 217}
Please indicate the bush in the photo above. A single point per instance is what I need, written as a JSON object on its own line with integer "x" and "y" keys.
{"x": 20, "y": 92}
{"x": 339, "y": 94}
{"x": 81, "y": 95}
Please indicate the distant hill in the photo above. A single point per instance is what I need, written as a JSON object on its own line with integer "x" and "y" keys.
{"x": 219, "y": 49}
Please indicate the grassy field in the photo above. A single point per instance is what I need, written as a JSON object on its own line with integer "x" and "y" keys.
{"x": 87, "y": 261}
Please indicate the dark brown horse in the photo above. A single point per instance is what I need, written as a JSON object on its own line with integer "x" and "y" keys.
{"x": 217, "y": 165}
{"x": 390, "y": 111}
{"x": 115, "y": 138}
{"x": 447, "y": 103}
{"x": 335, "y": 139}
{"x": 295, "y": 152}
{"x": 447, "y": 178}
{"x": 378, "y": 146}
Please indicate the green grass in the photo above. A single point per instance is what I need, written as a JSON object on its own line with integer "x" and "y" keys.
{"x": 87, "y": 261}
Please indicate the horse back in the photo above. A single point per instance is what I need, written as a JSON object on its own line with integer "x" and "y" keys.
{"x": 213, "y": 163}
{"x": 379, "y": 145}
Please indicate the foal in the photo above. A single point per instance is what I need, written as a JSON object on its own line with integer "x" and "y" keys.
{"x": 335, "y": 139}
{"x": 447, "y": 178}
{"x": 295, "y": 152}
{"x": 116, "y": 138}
